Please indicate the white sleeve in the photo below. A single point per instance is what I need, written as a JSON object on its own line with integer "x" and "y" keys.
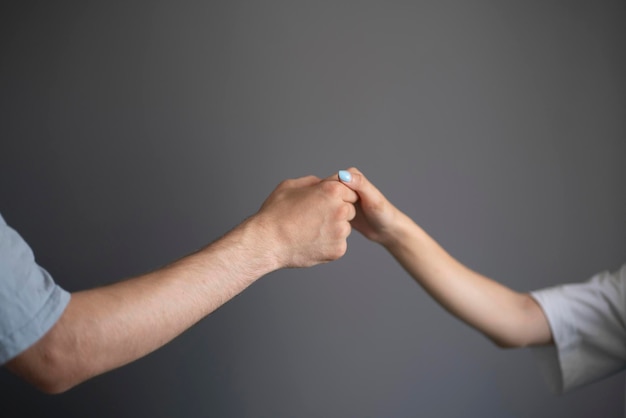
{"x": 588, "y": 323}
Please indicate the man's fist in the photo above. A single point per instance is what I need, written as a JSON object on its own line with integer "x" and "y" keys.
{"x": 307, "y": 221}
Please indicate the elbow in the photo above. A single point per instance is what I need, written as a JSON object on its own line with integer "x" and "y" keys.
{"x": 47, "y": 381}
{"x": 501, "y": 343}
{"x": 527, "y": 327}
{"x": 47, "y": 370}
{"x": 55, "y": 375}
{"x": 509, "y": 342}
{"x": 51, "y": 388}
{"x": 54, "y": 385}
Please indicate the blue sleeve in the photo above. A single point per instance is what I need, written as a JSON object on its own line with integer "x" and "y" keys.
{"x": 30, "y": 301}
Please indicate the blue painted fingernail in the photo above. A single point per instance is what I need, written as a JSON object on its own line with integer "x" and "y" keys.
{"x": 345, "y": 176}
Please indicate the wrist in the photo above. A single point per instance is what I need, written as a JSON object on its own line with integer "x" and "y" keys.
{"x": 397, "y": 230}
{"x": 245, "y": 252}
{"x": 261, "y": 239}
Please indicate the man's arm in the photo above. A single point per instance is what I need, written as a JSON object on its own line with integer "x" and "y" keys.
{"x": 507, "y": 317}
{"x": 302, "y": 223}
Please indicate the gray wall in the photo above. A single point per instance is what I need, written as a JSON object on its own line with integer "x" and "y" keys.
{"x": 135, "y": 132}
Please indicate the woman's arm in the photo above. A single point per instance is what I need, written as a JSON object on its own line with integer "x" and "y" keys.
{"x": 507, "y": 317}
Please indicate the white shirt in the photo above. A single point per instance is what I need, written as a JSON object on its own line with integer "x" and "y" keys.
{"x": 588, "y": 323}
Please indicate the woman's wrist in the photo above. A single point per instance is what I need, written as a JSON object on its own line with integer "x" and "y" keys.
{"x": 396, "y": 231}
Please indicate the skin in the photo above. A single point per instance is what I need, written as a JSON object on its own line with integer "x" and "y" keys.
{"x": 507, "y": 317}
{"x": 302, "y": 223}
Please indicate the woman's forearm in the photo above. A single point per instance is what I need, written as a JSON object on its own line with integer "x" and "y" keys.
{"x": 507, "y": 317}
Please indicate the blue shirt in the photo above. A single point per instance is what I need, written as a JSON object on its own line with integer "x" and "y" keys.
{"x": 30, "y": 301}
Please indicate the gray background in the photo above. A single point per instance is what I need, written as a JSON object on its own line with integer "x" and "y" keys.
{"x": 135, "y": 132}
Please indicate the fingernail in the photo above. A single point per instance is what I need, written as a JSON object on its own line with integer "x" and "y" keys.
{"x": 345, "y": 176}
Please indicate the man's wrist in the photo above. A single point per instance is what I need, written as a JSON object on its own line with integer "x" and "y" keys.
{"x": 247, "y": 251}
{"x": 258, "y": 239}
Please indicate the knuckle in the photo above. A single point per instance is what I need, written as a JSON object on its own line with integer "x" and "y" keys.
{"x": 342, "y": 230}
{"x": 285, "y": 183}
{"x": 352, "y": 212}
{"x": 343, "y": 212}
{"x": 341, "y": 249}
{"x": 346, "y": 230}
{"x": 336, "y": 251}
{"x": 332, "y": 188}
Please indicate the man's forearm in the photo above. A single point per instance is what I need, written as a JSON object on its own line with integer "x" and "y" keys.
{"x": 108, "y": 327}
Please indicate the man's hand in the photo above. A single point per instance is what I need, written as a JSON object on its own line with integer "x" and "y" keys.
{"x": 307, "y": 221}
